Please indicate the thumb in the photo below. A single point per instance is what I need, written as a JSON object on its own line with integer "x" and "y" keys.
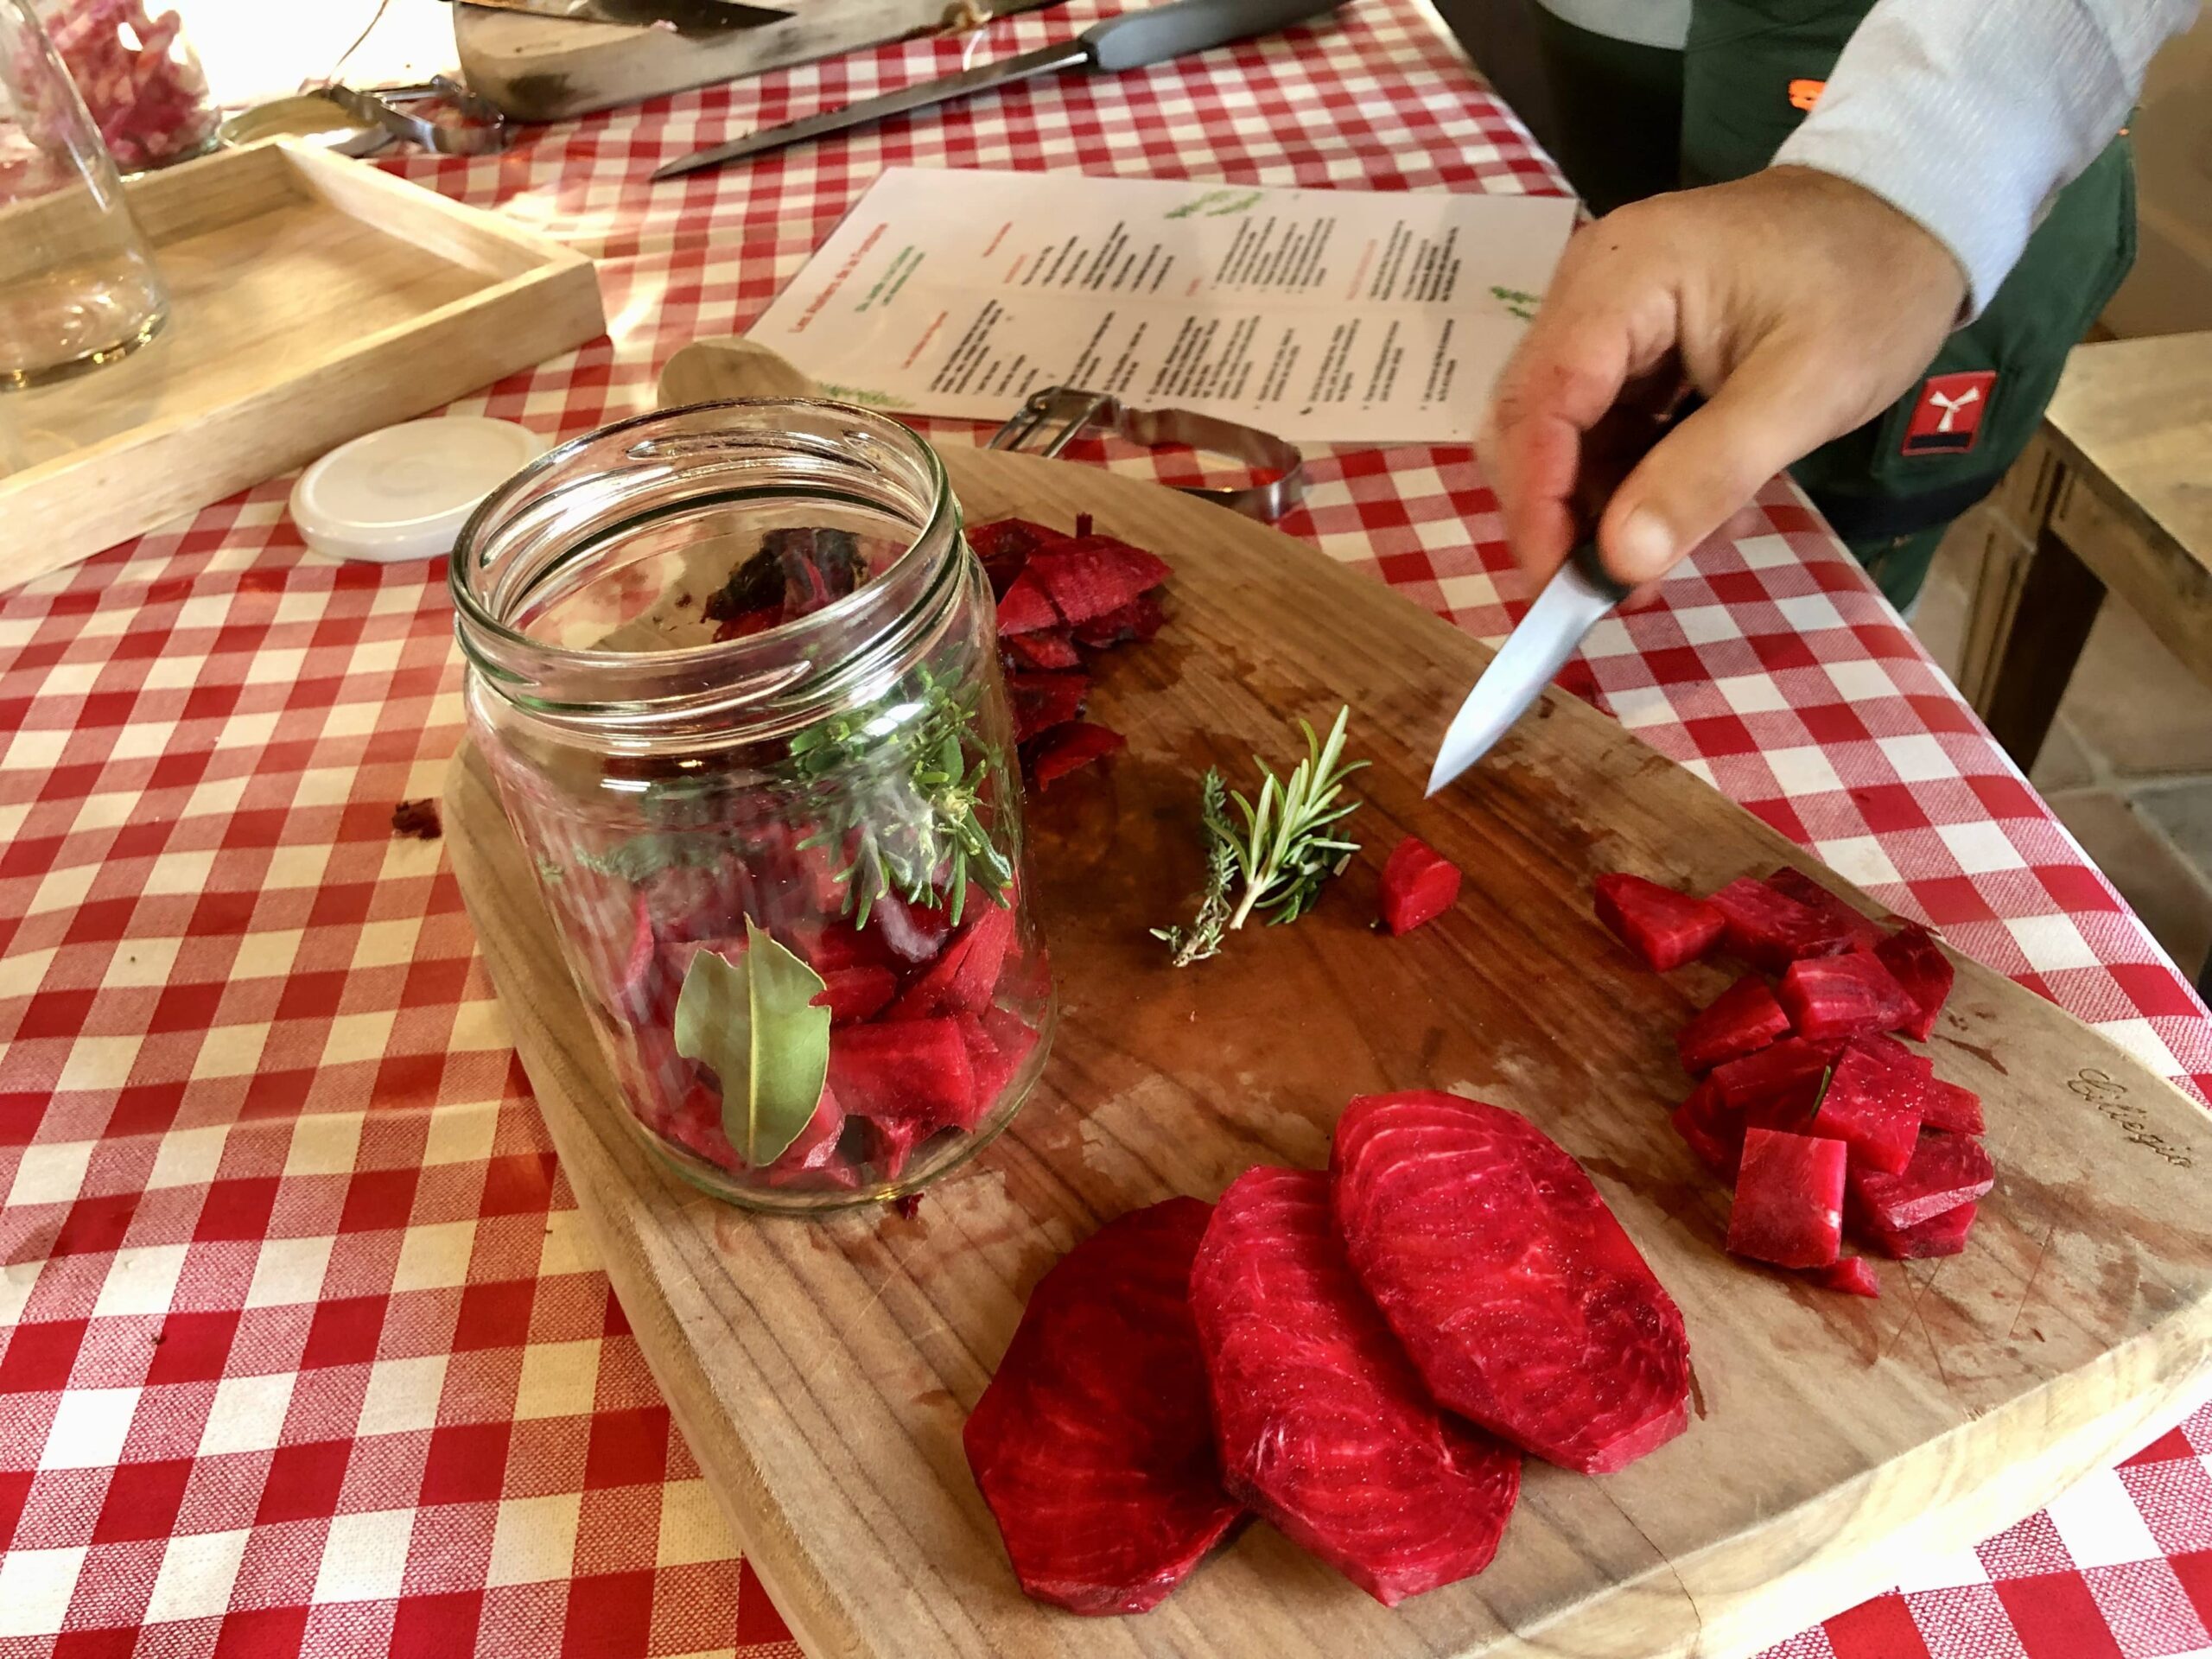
{"x": 1775, "y": 409}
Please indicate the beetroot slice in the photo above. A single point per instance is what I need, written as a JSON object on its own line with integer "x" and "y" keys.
{"x": 1788, "y": 1208}
{"x": 1094, "y": 1444}
{"x": 1770, "y": 930}
{"x": 1835, "y": 997}
{"x": 998, "y": 1043}
{"x": 1790, "y": 1070}
{"x": 910, "y": 1070}
{"x": 1088, "y": 579}
{"x": 1741, "y": 1021}
{"x": 1863, "y": 931}
{"x": 1048, "y": 649}
{"x": 1025, "y": 607}
{"x": 1943, "y": 1235}
{"x": 857, "y": 993}
{"x": 1044, "y": 701}
{"x": 1419, "y": 885}
{"x": 1948, "y": 1106}
{"x": 1918, "y": 964}
{"x": 1324, "y": 1428}
{"x": 1852, "y": 1274}
{"x": 963, "y": 976}
{"x": 1714, "y": 1133}
{"x": 1946, "y": 1172}
{"x": 1872, "y": 1108}
{"x": 1523, "y": 1302}
{"x": 1070, "y": 748}
{"x": 1666, "y": 928}
{"x": 1140, "y": 620}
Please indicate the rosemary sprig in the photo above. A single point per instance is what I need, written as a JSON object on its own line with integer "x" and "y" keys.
{"x": 1285, "y": 848}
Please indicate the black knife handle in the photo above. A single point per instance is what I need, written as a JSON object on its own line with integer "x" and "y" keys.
{"x": 1159, "y": 33}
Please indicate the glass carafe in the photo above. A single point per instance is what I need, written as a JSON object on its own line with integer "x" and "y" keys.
{"x": 78, "y": 284}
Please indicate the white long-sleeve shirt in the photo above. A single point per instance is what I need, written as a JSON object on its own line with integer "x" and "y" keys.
{"x": 1967, "y": 115}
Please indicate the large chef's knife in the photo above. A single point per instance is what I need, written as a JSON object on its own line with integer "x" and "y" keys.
{"x": 691, "y": 18}
{"x": 1130, "y": 40}
{"x": 1572, "y": 603}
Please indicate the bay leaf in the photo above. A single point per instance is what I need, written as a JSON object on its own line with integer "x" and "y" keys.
{"x": 752, "y": 1022}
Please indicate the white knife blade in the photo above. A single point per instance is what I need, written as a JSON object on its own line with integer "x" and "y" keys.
{"x": 1575, "y": 599}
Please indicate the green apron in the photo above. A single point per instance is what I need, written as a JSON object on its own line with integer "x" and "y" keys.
{"x": 1891, "y": 486}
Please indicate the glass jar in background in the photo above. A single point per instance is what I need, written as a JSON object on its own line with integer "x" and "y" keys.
{"x": 733, "y": 668}
{"x": 139, "y": 78}
{"x": 77, "y": 285}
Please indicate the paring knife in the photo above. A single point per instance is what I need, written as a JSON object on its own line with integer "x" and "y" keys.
{"x": 1128, "y": 41}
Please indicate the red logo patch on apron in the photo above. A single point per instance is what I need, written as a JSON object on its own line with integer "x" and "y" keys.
{"x": 1948, "y": 418}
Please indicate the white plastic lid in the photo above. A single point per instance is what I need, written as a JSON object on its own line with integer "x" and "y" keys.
{"x": 405, "y": 492}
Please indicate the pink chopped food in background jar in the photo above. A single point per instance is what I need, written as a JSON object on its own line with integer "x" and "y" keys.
{"x": 139, "y": 78}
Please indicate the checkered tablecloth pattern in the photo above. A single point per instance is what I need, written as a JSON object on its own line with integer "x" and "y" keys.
{"x": 302, "y": 1349}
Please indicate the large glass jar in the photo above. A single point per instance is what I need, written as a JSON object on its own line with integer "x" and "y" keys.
{"x": 734, "y": 669}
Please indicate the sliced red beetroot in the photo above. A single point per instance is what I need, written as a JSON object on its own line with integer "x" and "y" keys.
{"x": 1044, "y": 701}
{"x": 1666, "y": 928}
{"x": 1048, "y": 649}
{"x": 816, "y": 1145}
{"x": 1419, "y": 885}
{"x": 1714, "y": 1134}
{"x": 745, "y": 624}
{"x": 1094, "y": 1444}
{"x": 910, "y": 1072}
{"x": 1004, "y": 544}
{"x": 1741, "y": 1021}
{"x": 1140, "y": 620}
{"x": 1090, "y": 578}
{"x": 1947, "y": 1107}
{"x": 1864, "y": 932}
{"x": 1943, "y": 1235}
{"x": 1946, "y": 1172}
{"x": 889, "y": 1143}
{"x": 1770, "y": 930}
{"x": 1788, "y": 1208}
{"x": 627, "y": 966}
{"x": 998, "y": 1043}
{"x": 1790, "y": 1069}
{"x": 1025, "y": 607}
{"x": 1070, "y": 748}
{"x": 1324, "y": 1428}
{"x": 854, "y": 994}
{"x": 1525, "y": 1306}
{"x": 1871, "y": 1107}
{"x": 838, "y": 944}
{"x": 1918, "y": 964}
{"x": 1852, "y": 1274}
{"x": 1833, "y": 997}
{"x": 966, "y": 972}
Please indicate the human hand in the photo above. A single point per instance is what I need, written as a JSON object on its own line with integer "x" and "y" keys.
{"x": 1798, "y": 304}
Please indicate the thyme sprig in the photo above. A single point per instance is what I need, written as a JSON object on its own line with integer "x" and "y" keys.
{"x": 1278, "y": 857}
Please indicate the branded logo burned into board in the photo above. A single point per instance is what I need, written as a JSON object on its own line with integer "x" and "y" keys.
{"x": 1946, "y": 421}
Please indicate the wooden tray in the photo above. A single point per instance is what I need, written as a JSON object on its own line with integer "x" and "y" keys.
{"x": 823, "y": 1370}
{"x": 315, "y": 298}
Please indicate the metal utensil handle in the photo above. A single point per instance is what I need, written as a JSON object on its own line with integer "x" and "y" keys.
{"x": 1074, "y": 409}
{"x": 1156, "y": 34}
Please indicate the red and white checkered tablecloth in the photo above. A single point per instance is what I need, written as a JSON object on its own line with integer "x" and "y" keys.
{"x": 302, "y": 1348}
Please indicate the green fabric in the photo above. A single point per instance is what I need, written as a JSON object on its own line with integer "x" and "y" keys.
{"x": 1899, "y": 564}
{"x": 1618, "y": 106}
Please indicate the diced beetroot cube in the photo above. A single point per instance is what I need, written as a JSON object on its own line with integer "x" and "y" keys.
{"x": 1789, "y": 1207}
{"x": 1419, "y": 885}
{"x": 1943, "y": 1235}
{"x": 630, "y": 974}
{"x": 1005, "y": 545}
{"x": 1790, "y": 1068}
{"x": 1070, "y": 747}
{"x": 676, "y": 955}
{"x": 965, "y": 973}
{"x": 1872, "y": 1109}
{"x": 1044, "y": 701}
{"x": 1918, "y": 964}
{"x": 745, "y": 624}
{"x": 1842, "y": 996}
{"x": 1087, "y": 579}
{"x": 1714, "y": 1133}
{"x": 1140, "y": 620}
{"x": 911, "y": 1070}
{"x": 1770, "y": 930}
{"x": 1853, "y": 1274}
{"x": 891, "y": 1141}
{"x": 997, "y": 1044}
{"x": 854, "y": 994}
{"x": 838, "y": 944}
{"x": 1864, "y": 932}
{"x": 1947, "y": 1107}
{"x": 1946, "y": 1171}
{"x": 1025, "y": 607}
{"x": 1741, "y": 1021}
{"x": 816, "y": 1144}
{"x": 1666, "y": 928}
{"x": 1047, "y": 648}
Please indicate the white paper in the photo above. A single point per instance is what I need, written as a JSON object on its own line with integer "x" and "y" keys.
{"x": 1320, "y": 315}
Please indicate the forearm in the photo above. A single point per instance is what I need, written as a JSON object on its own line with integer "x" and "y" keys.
{"x": 1969, "y": 115}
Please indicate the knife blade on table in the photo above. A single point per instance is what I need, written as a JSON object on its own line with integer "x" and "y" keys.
{"x": 689, "y": 17}
{"x": 1130, "y": 40}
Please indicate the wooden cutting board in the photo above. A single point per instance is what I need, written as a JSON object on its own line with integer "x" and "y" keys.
{"x": 821, "y": 1370}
